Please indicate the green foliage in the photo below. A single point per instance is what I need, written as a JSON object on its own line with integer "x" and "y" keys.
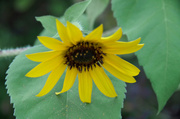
{"x": 75, "y": 13}
{"x": 23, "y": 5}
{"x": 95, "y": 8}
{"x": 67, "y": 105}
{"x": 157, "y": 23}
{"x": 58, "y": 7}
{"x": 76, "y": 10}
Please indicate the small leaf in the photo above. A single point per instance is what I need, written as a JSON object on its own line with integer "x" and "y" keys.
{"x": 76, "y": 10}
{"x": 22, "y": 91}
{"x": 95, "y": 8}
{"x": 157, "y": 23}
{"x": 48, "y": 22}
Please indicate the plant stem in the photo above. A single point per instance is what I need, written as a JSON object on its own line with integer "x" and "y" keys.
{"x": 12, "y": 52}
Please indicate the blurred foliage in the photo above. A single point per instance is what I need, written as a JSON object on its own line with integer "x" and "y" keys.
{"x": 23, "y": 5}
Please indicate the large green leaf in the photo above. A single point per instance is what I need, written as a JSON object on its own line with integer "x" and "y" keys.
{"x": 76, "y": 10}
{"x": 95, "y": 8}
{"x": 22, "y": 91}
{"x": 157, "y": 22}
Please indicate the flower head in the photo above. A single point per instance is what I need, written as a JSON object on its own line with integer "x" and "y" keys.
{"x": 85, "y": 57}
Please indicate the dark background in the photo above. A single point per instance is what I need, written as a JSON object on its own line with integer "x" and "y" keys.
{"x": 18, "y": 28}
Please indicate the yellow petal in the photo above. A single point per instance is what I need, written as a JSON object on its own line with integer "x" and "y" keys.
{"x": 122, "y": 47}
{"x": 69, "y": 80}
{"x": 103, "y": 82}
{"x": 52, "y": 79}
{"x": 85, "y": 86}
{"x": 52, "y": 43}
{"x": 121, "y": 65}
{"x": 120, "y": 44}
{"x": 118, "y": 74}
{"x": 116, "y": 36}
{"x": 74, "y": 33}
{"x": 45, "y": 67}
{"x": 125, "y": 50}
{"x": 43, "y": 56}
{"x": 95, "y": 35}
{"x": 62, "y": 31}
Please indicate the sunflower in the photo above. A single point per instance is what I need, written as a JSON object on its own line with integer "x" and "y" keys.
{"x": 85, "y": 57}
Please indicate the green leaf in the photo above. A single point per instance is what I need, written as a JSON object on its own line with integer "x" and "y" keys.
{"x": 22, "y": 91}
{"x": 95, "y": 8}
{"x": 76, "y": 10}
{"x": 84, "y": 23}
{"x": 156, "y": 21}
{"x": 48, "y": 22}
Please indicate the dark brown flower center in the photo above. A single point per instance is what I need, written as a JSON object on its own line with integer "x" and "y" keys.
{"x": 84, "y": 55}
